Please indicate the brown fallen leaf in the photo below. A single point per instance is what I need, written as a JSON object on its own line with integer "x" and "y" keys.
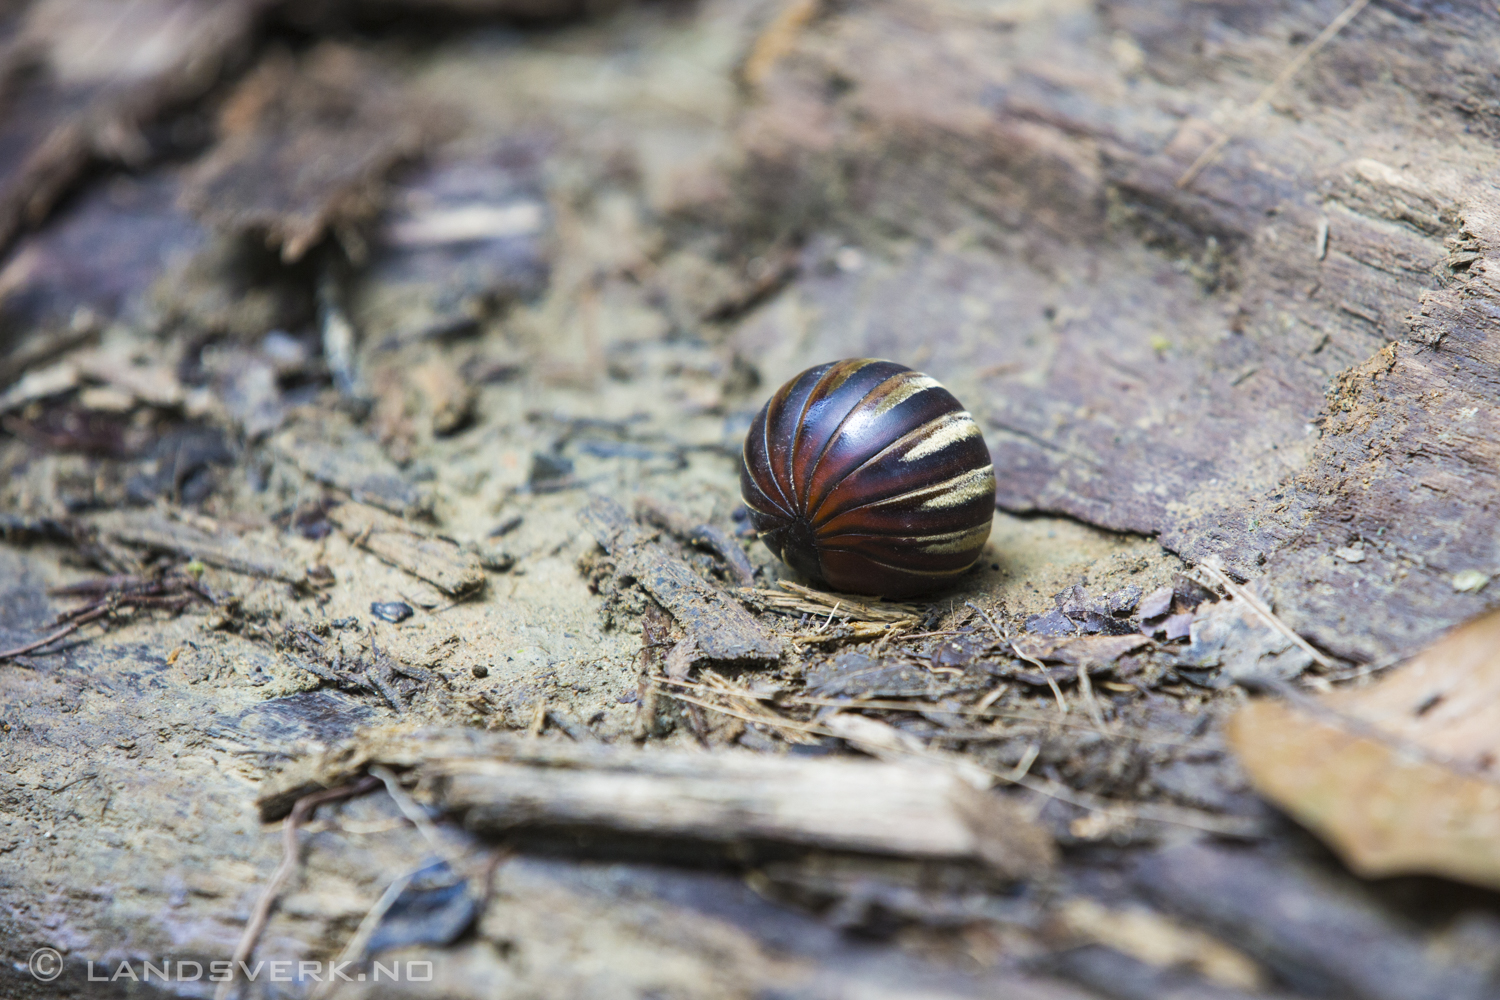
{"x": 1400, "y": 777}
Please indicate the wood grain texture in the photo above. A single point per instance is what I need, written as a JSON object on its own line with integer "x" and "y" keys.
{"x": 1206, "y": 364}
{"x": 498, "y": 783}
{"x": 439, "y": 561}
{"x": 717, "y": 624}
{"x": 80, "y": 81}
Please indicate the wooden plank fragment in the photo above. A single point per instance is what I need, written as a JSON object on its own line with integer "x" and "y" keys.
{"x": 305, "y": 145}
{"x": 358, "y": 468}
{"x": 437, "y": 560}
{"x": 151, "y": 530}
{"x": 722, "y": 630}
{"x": 498, "y": 782}
{"x": 83, "y": 80}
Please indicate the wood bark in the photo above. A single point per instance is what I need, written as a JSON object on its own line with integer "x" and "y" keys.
{"x": 1289, "y": 354}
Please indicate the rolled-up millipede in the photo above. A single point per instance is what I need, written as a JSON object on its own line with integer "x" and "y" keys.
{"x": 870, "y": 478}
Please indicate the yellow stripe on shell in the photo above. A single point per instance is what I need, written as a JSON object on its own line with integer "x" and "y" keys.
{"x": 958, "y": 541}
{"x": 909, "y": 384}
{"x": 962, "y": 489}
{"x": 946, "y": 430}
{"x": 949, "y": 493}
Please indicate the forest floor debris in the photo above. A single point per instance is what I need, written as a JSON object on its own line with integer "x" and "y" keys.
{"x": 1399, "y": 774}
{"x": 432, "y": 403}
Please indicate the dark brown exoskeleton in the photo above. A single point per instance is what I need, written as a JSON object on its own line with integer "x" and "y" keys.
{"x": 870, "y": 478}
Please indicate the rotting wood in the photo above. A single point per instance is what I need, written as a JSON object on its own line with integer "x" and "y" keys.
{"x": 444, "y": 564}
{"x": 80, "y": 89}
{"x": 152, "y": 530}
{"x": 1263, "y": 99}
{"x": 305, "y": 148}
{"x": 1222, "y": 437}
{"x": 358, "y": 468}
{"x": 669, "y": 518}
{"x": 723, "y": 631}
{"x": 1305, "y": 922}
{"x": 498, "y": 783}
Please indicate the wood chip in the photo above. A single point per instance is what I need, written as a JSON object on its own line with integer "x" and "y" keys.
{"x": 499, "y": 783}
{"x": 355, "y": 466}
{"x": 305, "y": 147}
{"x": 153, "y": 530}
{"x": 723, "y": 631}
{"x": 442, "y": 563}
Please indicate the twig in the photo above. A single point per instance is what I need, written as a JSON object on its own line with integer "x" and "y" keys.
{"x": 1241, "y": 593}
{"x": 777, "y": 40}
{"x": 1004, "y": 636}
{"x": 992, "y": 697}
{"x": 1135, "y": 735}
{"x": 999, "y": 634}
{"x": 1359, "y": 673}
{"x": 1062, "y": 703}
{"x": 111, "y": 594}
{"x": 367, "y": 926}
{"x": 11, "y": 654}
{"x": 1191, "y": 818}
{"x": 417, "y": 816}
{"x": 289, "y": 858}
{"x": 1269, "y": 92}
{"x": 1090, "y": 703}
{"x": 1023, "y": 766}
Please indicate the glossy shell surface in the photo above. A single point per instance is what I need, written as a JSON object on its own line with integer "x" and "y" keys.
{"x": 869, "y": 478}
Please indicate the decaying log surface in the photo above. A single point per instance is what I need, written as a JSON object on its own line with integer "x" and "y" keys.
{"x": 498, "y": 783}
{"x": 355, "y": 466}
{"x": 646, "y": 222}
{"x": 718, "y": 625}
{"x": 306, "y": 146}
{"x": 1311, "y": 927}
{"x": 437, "y": 560}
{"x": 78, "y": 88}
{"x": 1286, "y": 356}
{"x": 154, "y": 532}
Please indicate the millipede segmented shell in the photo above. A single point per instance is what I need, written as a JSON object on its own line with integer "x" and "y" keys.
{"x": 870, "y": 478}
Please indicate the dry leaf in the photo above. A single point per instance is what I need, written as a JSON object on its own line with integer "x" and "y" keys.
{"x": 1400, "y": 777}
